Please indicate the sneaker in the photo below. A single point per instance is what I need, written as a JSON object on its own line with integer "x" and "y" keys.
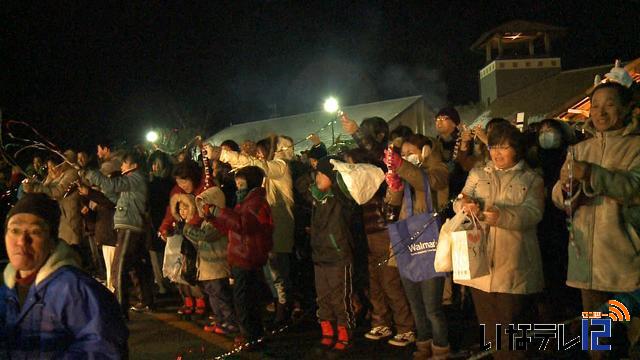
{"x": 211, "y": 327}
{"x": 379, "y": 332}
{"x": 403, "y": 339}
{"x": 140, "y": 308}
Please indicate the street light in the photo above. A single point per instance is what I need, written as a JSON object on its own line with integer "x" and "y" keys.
{"x": 152, "y": 136}
{"x": 331, "y": 106}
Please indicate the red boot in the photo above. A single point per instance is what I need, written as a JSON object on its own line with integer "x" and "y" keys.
{"x": 344, "y": 339}
{"x": 327, "y": 333}
{"x": 187, "y": 307}
{"x": 201, "y": 306}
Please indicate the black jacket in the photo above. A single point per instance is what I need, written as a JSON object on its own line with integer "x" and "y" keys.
{"x": 331, "y": 241}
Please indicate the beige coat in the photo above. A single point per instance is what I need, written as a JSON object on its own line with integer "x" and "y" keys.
{"x": 438, "y": 175}
{"x": 211, "y": 244}
{"x": 607, "y": 252}
{"x": 70, "y": 218}
{"x": 512, "y": 248}
{"x": 279, "y": 187}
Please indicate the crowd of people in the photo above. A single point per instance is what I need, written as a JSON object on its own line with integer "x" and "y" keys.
{"x": 559, "y": 208}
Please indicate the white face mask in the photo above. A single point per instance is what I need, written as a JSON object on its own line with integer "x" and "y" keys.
{"x": 550, "y": 139}
{"x": 413, "y": 158}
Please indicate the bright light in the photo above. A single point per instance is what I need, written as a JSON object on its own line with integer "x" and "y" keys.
{"x": 331, "y": 105}
{"x": 152, "y": 136}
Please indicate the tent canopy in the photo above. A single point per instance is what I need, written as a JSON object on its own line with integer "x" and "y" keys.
{"x": 300, "y": 126}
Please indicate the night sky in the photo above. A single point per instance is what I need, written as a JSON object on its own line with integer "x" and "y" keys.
{"x": 80, "y": 70}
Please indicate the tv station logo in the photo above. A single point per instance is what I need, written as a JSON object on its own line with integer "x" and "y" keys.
{"x": 595, "y": 325}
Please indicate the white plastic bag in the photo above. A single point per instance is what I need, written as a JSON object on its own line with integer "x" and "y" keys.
{"x": 173, "y": 259}
{"x": 468, "y": 251}
{"x": 443, "y": 262}
{"x": 362, "y": 180}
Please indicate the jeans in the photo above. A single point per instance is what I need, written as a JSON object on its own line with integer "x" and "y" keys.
{"x": 425, "y": 299}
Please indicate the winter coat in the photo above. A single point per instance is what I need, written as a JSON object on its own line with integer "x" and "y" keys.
{"x": 70, "y": 218}
{"x": 515, "y": 263}
{"x": 438, "y": 176}
{"x": 66, "y": 314}
{"x": 166, "y": 227}
{"x": 209, "y": 242}
{"x": 279, "y": 188}
{"x": 607, "y": 224}
{"x": 374, "y": 212}
{"x": 457, "y": 174}
{"x": 105, "y": 210}
{"x": 331, "y": 240}
{"x": 249, "y": 226}
{"x": 131, "y": 207}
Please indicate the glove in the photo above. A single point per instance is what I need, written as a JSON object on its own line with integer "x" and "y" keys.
{"x": 394, "y": 182}
{"x": 392, "y": 159}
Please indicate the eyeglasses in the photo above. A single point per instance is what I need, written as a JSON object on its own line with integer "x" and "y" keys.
{"x": 499, "y": 147}
{"x": 442, "y": 118}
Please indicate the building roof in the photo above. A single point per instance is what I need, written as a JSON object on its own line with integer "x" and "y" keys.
{"x": 300, "y": 126}
{"x": 545, "y": 97}
{"x": 517, "y": 26}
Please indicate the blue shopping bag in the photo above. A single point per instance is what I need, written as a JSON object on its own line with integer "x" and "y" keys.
{"x": 414, "y": 240}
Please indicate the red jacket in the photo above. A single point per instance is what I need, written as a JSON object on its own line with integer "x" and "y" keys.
{"x": 250, "y": 227}
{"x": 166, "y": 227}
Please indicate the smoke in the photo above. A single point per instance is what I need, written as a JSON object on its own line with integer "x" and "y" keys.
{"x": 401, "y": 81}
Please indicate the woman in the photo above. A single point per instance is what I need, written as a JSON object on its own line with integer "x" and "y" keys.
{"x": 602, "y": 177}
{"x": 160, "y": 185}
{"x": 552, "y": 141}
{"x": 509, "y": 198}
{"x": 425, "y": 298}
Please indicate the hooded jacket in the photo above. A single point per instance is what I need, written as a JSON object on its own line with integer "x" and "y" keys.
{"x": 515, "y": 264}
{"x": 250, "y": 229}
{"x": 66, "y": 314}
{"x": 606, "y": 255}
{"x": 210, "y": 243}
{"x": 279, "y": 188}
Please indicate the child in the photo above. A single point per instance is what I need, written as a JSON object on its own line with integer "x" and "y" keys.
{"x": 250, "y": 228}
{"x": 213, "y": 270}
{"x": 331, "y": 245}
{"x": 183, "y": 210}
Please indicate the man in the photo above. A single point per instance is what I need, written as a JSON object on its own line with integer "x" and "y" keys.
{"x": 131, "y": 251}
{"x": 49, "y": 308}
{"x": 447, "y": 121}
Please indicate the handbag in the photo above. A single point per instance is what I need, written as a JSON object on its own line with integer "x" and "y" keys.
{"x": 443, "y": 261}
{"x": 469, "y": 248}
{"x": 414, "y": 239}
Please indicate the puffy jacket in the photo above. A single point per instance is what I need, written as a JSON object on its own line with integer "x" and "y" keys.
{"x": 250, "y": 229}
{"x": 515, "y": 263}
{"x": 131, "y": 206}
{"x": 210, "y": 243}
{"x": 279, "y": 190}
{"x": 607, "y": 224}
{"x": 331, "y": 241}
{"x": 66, "y": 314}
{"x": 166, "y": 227}
{"x": 70, "y": 216}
